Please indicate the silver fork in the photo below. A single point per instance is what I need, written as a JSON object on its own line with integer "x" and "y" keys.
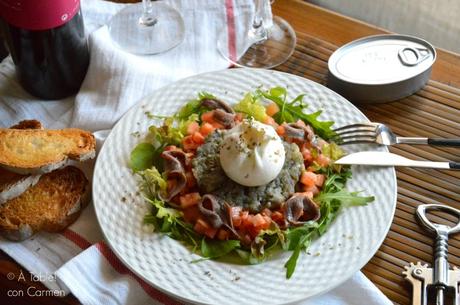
{"x": 381, "y": 134}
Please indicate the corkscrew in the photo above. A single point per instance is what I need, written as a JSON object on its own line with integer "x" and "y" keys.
{"x": 440, "y": 278}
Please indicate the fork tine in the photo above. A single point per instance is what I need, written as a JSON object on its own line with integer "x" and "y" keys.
{"x": 356, "y": 138}
{"x": 357, "y": 141}
{"x": 367, "y": 126}
{"x": 357, "y": 132}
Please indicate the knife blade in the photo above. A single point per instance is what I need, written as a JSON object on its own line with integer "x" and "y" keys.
{"x": 380, "y": 158}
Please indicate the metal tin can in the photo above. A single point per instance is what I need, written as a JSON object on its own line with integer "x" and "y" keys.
{"x": 381, "y": 68}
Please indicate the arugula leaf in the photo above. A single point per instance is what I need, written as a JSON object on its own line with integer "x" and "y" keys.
{"x": 218, "y": 248}
{"x": 292, "y": 111}
{"x": 294, "y": 236}
{"x": 303, "y": 243}
{"x": 251, "y": 105}
{"x": 142, "y": 157}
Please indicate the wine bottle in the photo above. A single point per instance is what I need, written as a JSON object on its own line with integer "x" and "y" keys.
{"x": 47, "y": 42}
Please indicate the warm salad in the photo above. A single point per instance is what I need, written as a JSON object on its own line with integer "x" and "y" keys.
{"x": 246, "y": 179}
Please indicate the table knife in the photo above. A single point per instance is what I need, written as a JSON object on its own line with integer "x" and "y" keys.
{"x": 380, "y": 158}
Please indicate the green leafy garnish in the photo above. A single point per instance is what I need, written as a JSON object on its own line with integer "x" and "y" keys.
{"x": 332, "y": 199}
{"x": 142, "y": 157}
{"x": 303, "y": 243}
{"x": 146, "y": 162}
{"x": 154, "y": 183}
{"x": 167, "y": 134}
{"x": 332, "y": 151}
{"x": 251, "y": 106}
{"x": 194, "y": 107}
{"x": 346, "y": 199}
{"x": 295, "y": 110}
{"x": 218, "y": 248}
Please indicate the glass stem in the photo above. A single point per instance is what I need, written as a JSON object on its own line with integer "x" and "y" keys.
{"x": 147, "y": 18}
{"x": 258, "y": 31}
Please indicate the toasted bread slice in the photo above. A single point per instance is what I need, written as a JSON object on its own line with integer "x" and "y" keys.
{"x": 35, "y": 151}
{"x": 51, "y": 205}
{"x": 13, "y": 184}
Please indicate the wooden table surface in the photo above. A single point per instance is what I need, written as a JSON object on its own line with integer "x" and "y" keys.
{"x": 433, "y": 111}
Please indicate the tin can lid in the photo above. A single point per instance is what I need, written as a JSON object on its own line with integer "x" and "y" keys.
{"x": 382, "y": 59}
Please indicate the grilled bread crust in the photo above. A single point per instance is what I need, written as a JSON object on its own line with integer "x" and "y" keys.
{"x": 50, "y": 205}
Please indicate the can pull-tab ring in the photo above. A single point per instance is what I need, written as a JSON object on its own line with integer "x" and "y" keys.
{"x": 410, "y": 56}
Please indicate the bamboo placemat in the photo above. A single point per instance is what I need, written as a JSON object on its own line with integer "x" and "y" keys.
{"x": 434, "y": 111}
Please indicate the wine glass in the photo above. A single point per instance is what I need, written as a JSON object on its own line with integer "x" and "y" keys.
{"x": 147, "y": 28}
{"x": 267, "y": 42}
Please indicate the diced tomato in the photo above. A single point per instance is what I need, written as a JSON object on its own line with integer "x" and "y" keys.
{"x": 189, "y": 144}
{"x": 266, "y": 212}
{"x": 308, "y": 179}
{"x": 320, "y": 178}
{"x": 204, "y": 228}
{"x": 322, "y": 160}
{"x": 258, "y": 220}
{"x": 244, "y": 216}
{"x": 272, "y": 109}
{"x": 306, "y": 154}
{"x": 236, "y": 220}
{"x": 246, "y": 220}
{"x": 198, "y": 138}
{"x": 191, "y": 214}
{"x": 206, "y": 128}
{"x": 277, "y": 216}
{"x": 312, "y": 189}
{"x": 253, "y": 232}
{"x": 208, "y": 117}
{"x": 191, "y": 181}
{"x": 189, "y": 199}
{"x": 280, "y": 130}
{"x": 256, "y": 223}
{"x": 268, "y": 221}
{"x": 235, "y": 215}
{"x": 239, "y": 117}
{"x": 307, "y": 145}
{"x": 270, "y": 121}
{"x": 193, "y": 127}
{"x": 223, "y": 234}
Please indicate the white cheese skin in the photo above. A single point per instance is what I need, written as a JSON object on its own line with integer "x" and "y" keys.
{"x": 252, "y": 153}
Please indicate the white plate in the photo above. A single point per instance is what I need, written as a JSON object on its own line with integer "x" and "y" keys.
{"x": 346, "y": 247}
